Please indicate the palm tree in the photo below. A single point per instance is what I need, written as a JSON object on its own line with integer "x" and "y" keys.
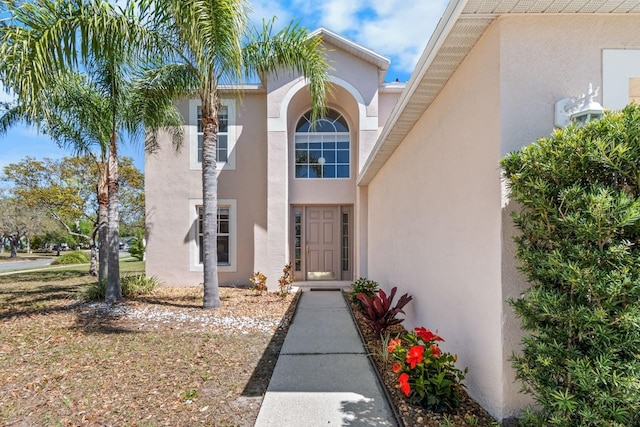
{"x": 213, "y": 45}
{"x": 47, "y": 38}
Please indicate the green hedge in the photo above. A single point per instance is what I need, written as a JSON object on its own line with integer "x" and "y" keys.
{"x": 75, "y": 257}
{"x": 578, "y": 194}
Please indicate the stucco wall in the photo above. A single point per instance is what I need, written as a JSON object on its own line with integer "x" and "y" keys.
{"x": 434, "y": 221}
{"x": 170, "y": 185}
{"x": 544, "y": 59}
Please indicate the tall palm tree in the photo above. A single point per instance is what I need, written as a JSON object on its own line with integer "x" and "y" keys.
{"x": 212, "y": 45}
{"x": 45, "y": 39}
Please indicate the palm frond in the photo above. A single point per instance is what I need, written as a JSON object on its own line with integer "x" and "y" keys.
{"x": 289, "y": 49}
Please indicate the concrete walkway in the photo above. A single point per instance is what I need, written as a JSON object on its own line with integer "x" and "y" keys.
{"x": 323, "y": 376}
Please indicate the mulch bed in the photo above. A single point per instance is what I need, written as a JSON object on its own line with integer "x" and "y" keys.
{"x": 469, "y": 413}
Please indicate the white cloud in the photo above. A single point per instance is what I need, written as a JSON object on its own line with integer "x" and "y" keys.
{"x": 340, "y": 16}
{"x": 401, "y": 32}
{"x": 267, "y": 9}
{"x": 394, "y": 28}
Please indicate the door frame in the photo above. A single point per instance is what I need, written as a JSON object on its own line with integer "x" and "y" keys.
{"x": 298, "y": 241}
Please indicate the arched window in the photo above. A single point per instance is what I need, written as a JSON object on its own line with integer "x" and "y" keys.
{"x": 323, "y": 150}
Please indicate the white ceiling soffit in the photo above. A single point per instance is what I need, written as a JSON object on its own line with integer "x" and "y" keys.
{"x": 460, "y": 27}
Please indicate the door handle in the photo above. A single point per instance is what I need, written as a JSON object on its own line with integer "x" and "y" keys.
{"x": 307, "y": 250}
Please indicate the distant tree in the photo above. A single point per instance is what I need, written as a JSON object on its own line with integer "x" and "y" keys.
{"x": 19, "y": 221}
{"x": 66, "y": 190}
{"x": 132, "y": 212}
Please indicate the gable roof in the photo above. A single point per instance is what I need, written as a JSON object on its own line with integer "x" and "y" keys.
{"x": 460, "y": 27}
{"x": 352, "y": 48}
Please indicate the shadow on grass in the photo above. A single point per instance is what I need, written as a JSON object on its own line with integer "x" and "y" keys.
{"x": 259, "y": 381}
{"x": 42, "y": 276}
{"x": 100, "y": 319}
{"x": 43, "y": 297}
{"x": 42, "y": 293}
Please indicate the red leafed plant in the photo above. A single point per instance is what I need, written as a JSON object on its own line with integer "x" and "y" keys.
{"x": 378, "y": 312}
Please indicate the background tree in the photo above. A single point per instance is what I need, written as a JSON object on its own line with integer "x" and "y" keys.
{"x": 579, "y": 193}
{"x": 65, "y": 189}
{"x": 19, "y": 221}
{"x": 210, "y": 44}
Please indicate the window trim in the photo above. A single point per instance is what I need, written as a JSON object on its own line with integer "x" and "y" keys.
{"x": 232, "y": 135}
{"x": 194, "y": 253}
{"x": 348, "y": 134}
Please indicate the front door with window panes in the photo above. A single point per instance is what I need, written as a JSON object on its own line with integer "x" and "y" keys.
{"x": 321, "y": 242}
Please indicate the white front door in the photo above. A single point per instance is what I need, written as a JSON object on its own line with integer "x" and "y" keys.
{"x": 323, "y": 243}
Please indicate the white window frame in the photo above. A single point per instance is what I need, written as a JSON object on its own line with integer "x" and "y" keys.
{"x": 232, "y": 135}
{"x": 320, "y": 136}
{"x": 194, "y": 253}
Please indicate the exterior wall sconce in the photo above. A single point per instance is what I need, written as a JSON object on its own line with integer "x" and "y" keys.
{"x": 579, "y": 110}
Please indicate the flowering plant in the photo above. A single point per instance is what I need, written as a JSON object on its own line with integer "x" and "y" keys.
{"x": 286, "y": 280}
{"x": 426, "y": 375}
{"x": 259, "y": 281}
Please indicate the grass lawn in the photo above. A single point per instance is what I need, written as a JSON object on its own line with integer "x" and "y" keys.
{"x": 150, "y": 361}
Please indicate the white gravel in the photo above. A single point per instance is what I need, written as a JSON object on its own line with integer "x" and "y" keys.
{"x": 156, "y": 317}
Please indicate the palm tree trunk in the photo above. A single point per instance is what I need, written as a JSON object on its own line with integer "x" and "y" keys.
{"x": 103, "y": 217}
{"x": 210, "y": 205}
{"x": 113, "y": 290}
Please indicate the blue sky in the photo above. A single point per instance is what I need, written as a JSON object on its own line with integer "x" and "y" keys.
{"x": 396, "y": 29}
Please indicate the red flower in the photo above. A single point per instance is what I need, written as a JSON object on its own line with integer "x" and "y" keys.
{"x": 435, "y": 350}
{"x": 415, "y": 355}
{"x": 403, "y": 379}
{"x": 393, "y": 344}
{"x": 427, "y": 335}
{"x": 396, "y": 368}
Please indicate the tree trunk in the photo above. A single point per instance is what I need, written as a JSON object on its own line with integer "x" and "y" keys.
{"x": 103, "y": 216}
{"x": 93, "y": 265}
{"x": 113, "y": 290}
{"x": 210, "y": 204}
{"x": 14, "y": 247}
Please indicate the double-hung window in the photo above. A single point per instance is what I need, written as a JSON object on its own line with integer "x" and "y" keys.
{"x": 223, "y": 235}
{"x": 222, "y": 147}
{"x": 225, "y": 148}
{"x": 226, "y": 235}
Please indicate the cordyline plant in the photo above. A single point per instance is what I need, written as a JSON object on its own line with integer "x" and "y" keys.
{"x": 426, "y": 375}
{"x": 378, "y": 312}
{"x": 365, "y": 286}
{"x": 579, "y": 217}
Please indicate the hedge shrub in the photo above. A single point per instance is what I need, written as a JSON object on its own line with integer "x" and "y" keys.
{"x": 75, "y": 257}
{"x": 579, "y": 216}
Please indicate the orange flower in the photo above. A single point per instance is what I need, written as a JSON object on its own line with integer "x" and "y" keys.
{"x": 403, "y": 379}
{"x": 393, "y": 344}
{"x": 396, "y": 368}
{"x": 435, "y": 350}
{"x": 415, "y": 355}
{"x": 427, "y": 335}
